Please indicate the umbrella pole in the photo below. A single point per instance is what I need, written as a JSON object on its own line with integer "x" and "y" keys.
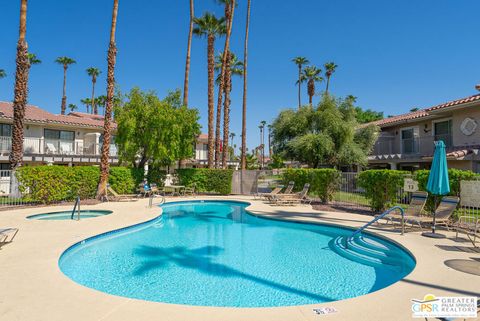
{"x": 434, "y": 213}
{"x": 433, "y": 234}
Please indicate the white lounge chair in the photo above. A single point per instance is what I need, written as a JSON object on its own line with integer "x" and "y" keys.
{"x": 5, "y": 233}
{"x": 469, "y": 225}
{"x": 50, "y": 148}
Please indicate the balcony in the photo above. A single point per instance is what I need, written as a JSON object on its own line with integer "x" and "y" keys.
{"x": 56, "y": 147}
{"x": 390, "y": 147}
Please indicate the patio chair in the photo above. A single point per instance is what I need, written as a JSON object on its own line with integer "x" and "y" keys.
{"x": 444, "y": 211}
{"x": 50, "y": 149}
{"x": 292, "y": 199}
{"x": 115, "y": 197}
{"x": 275, "y": 191}
{"x": 288, "y": 191}
{"x": 469, "y": 225}
{"x": 189, "y": 190}
{"x": 414, "y": 209}
{"x": 5, "y": 233}
{"x": 144, "y": 189}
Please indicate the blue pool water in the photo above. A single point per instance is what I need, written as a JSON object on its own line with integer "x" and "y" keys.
{"x": 67, "y": 215}
{"x": 216, "y": 254}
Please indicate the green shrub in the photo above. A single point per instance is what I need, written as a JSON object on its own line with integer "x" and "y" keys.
{"x": 207, "y": 180}
{"x": 48, "y": 184}
{"x": 381, "y": 187}
{"x": 323, "y": 182}
{"x": 156, "y": 175}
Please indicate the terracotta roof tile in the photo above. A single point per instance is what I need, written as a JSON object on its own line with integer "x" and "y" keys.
{"x": 455, "y": 102}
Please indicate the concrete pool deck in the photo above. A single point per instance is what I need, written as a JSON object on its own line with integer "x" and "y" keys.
{"x": 33, "y": 287}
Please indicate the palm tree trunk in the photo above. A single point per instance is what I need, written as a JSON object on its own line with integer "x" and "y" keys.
{"x": 64, "y": 96}
{"x": 328, "y": 84}
{"x": 311, "y": 91}
{"x": 299, "y": 86}
{"x": 217, "y": 127}
{"x": 189, "y": 49}
{"x": 94, "y": 107}
{"x": 244, "y": 107}
{"x": 211, "y": 84}
{"x": 226, "y": 111}
{"x": 21, "y": 91}
{"x": 112, "y": 57}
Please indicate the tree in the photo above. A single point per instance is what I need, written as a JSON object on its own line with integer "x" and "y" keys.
{"x": 262, "y": 142}
{"x": 326, "y": 135}
{"x": 87, "y": 102}
{"x": 33, "y": 59}
{"x": 244, "y": 102}
{"x": 368, "y": 115}
{"x": 300, "y": 62}
{"x": 112, "y": 57}
{"x": 101, "y": 101}
{"x": 311, "y": 76}
{"x": 65, "y": 62}
{"x": 3, "y": 74}
{"x": 329, "y": 70}
{"x": 94, "y": 72}
{"x": 189, "y": 49}
{"x": 170, "y": 129}
{"x": 235, "y": 67}
{"x": 270, "y": 153}
{"x": 20, "y": 91}
{"x": 72, "y": 107}
{"x": 210, "y": 27}
{"x": 232, "y": 136}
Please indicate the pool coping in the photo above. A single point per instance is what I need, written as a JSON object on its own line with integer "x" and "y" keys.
{"x": 28, "y": 265}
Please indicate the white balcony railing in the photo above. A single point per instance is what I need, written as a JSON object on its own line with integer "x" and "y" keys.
{"x": 56, "y": 147}
{"x": 411, "y": 147}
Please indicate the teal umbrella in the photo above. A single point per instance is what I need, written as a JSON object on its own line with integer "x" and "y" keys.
{"x": 438, "y": 183}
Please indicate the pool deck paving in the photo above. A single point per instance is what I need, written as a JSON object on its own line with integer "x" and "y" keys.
{"x": 32, "y": 287}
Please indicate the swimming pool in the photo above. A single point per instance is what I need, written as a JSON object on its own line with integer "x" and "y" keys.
{"x": 67, "y": 215}
{"x": 214, "y": 253}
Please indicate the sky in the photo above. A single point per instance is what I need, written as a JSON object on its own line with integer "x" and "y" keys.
{"x": 393, "y": 55}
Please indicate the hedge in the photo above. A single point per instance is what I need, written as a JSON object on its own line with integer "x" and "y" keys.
{"x": 206, "y": 180}
{"x": 323, "y": 182}
{"x": 47, "y": 184}
{"x": 381, "y": 187}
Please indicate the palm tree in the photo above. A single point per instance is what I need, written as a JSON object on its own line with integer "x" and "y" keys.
{"x": 210, "y": 27}
{"x": 72, "y": 107}
{"x": 311, "y": 76}
{"x": 243, "y": 160}
{"x": 101, "y": 101}
{"x": 189, "y": 48}
{"x": 300, "y": 62}
{"x": 232, "y": 136}
{"x": 235, "y": 68}
{"x": 262, "y": 140}
{"x": 3, "y": 74}
{"x": 112, "y": 57}
{"x": 33, "y": 60}
{"x": 87, "y": 102}
{"x": 65, "y": 62}
{"x": 93, "y": 72}
{"x": 270, "y": 152}
{"x": 20, "y": 91}
{"x": 329, "y": 70}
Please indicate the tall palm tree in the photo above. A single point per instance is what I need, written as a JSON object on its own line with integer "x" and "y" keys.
{"x": 232, "y": 136}
{"x": 270, "y": 152}
{"x": 20, "y": 91}
{"x": 311, "y": 76}
{"x": 93, "y": 72}
{"x": 235, "y": 67}
{"x": 101, "y": 101}
{"x": 243, "y": 160}
{"x": 262, "y": 140}
{"x": 189, "y": 49}
{"x": 300, "y": 62}
{"x": 72, "y": 107}
{"x": 87, "y": 102}
{"x": 210, "y": 27}
{"x": 112, "y": 57}
{"x": 65, "y": 62}
{"x": 329, "y": 70}
{"x": 229, "y": 14}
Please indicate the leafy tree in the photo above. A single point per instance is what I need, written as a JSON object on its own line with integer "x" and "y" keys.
{"x": 168, "y": 129}
{"x": 300, "y": 62}
{"x": 368, "y": 115}
{"x": 277, "y": 162}
{"x": 65, "y": 62}
{"x": 94, "y": 73}
{"x": 325, "y": 135}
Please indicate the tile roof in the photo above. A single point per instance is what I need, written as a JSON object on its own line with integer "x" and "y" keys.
{"x": 423, "y": 112}
{"x": 37, "y": 115}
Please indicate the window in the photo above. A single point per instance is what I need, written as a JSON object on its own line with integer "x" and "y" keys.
{"x": 6, "y": 130}
{"x": 443, "y": 131}
{"x": 409, "y": 141}
{"x": 59, "y": 134}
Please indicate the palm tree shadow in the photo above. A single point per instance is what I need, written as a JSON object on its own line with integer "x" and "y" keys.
{"x": 201, "y": 259}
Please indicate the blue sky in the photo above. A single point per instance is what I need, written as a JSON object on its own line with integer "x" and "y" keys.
{"x": 393, "y": 55}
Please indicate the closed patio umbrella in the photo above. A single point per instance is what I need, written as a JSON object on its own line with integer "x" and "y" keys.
{"x": 438, "y": 183}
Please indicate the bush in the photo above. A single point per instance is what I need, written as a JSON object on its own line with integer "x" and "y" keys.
{"x": 207, "y": 180}
{"x": 323, "y": 182}
{"x": 381, "y": 187}
{"x": 48, "y": 184}
{"x": 156, "y": 175}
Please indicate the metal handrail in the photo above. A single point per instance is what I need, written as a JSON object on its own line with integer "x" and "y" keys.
{"x": 402, "y": 212}
{"x": 152, "y": 196}
{"x": 77, "y": 204}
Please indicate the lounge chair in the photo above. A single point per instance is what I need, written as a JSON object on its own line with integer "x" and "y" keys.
{"x": 5, "y": 233}
{"x": 50, "y": 149}
{"x": 414, "y": 209}
{"x": 275, "y": 191}
{"x": 469, "y": 225}
{"x": 144, "y": 190}
{"x": 288, "y": 190}
{"x": 295, "y": 198}
{"x": 442, "y": 214}
{"x": 115, "y": 197}
{"x": 189, "y": 190}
